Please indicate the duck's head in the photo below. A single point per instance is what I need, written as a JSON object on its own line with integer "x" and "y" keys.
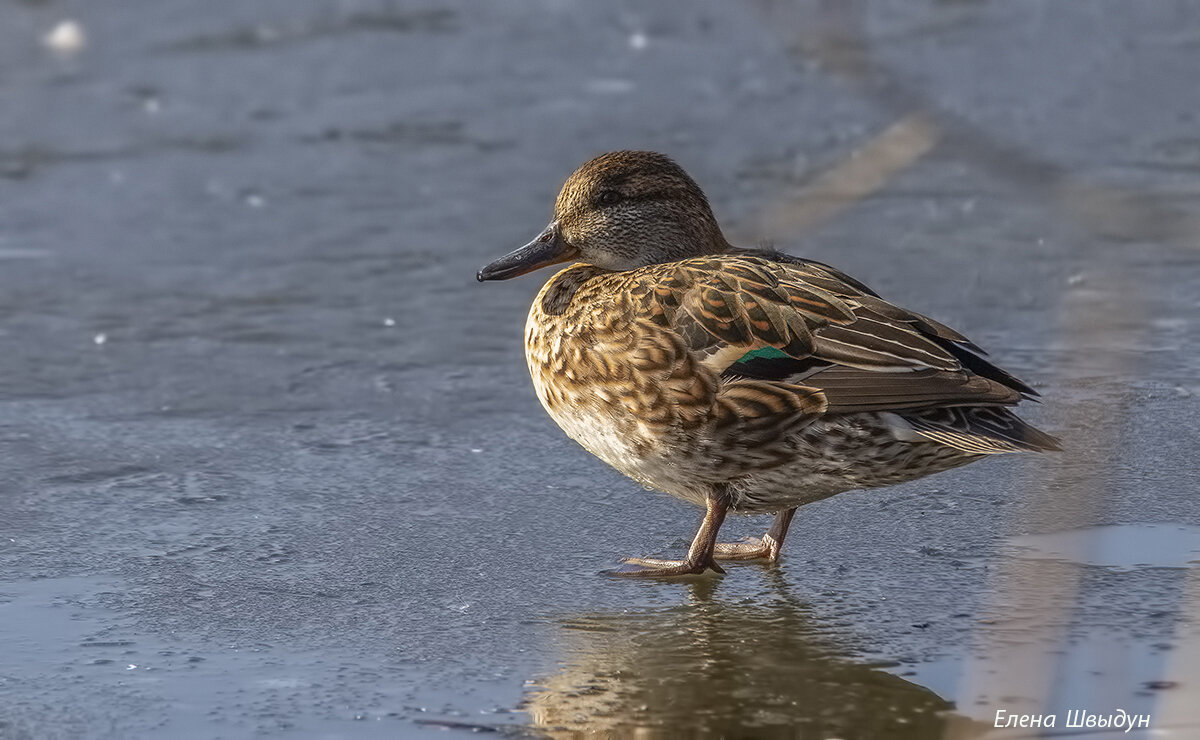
{"x": 620, "y": 211}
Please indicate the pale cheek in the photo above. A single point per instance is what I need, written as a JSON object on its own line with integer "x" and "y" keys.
{"x": 610, "y": 261}
{"x": 605, "y": 245}
{"x": 613, "y": 240}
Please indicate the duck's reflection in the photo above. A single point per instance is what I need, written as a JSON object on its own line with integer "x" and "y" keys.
{"x": 712, "y": 668}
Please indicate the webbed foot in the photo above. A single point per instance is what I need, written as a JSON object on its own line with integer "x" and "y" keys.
{"x": 755, "y": 548}
{"x": 657, "y": 568}
{"x": 700, "y": 555}
{"x": 765, "y": 548}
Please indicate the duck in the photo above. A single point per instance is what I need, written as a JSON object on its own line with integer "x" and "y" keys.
{"x": 741, "y": 380}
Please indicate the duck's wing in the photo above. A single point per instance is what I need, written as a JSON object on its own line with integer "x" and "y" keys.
{"x": 969, "y": 355}
{"x": 761, "y": 317}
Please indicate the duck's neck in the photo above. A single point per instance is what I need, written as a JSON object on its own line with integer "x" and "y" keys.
{"x": 714, "y": 244}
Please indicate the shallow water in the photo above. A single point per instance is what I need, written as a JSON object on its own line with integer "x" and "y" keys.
{"x": 273, "y": 465}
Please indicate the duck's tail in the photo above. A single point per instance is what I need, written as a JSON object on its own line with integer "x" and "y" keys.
{"x": 979, "y": 430}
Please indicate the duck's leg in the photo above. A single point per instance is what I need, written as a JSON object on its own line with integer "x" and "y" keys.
{"x": 700, "y": 554}
{"x": 766, "y": 548}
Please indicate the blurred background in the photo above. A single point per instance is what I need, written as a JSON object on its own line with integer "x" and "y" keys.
{"x": 272, "y": 465}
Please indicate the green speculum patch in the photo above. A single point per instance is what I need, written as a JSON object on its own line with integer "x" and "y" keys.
{"x": 763, "y": 353}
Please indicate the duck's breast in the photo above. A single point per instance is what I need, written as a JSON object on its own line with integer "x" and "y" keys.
{"x": 580, "y": 341}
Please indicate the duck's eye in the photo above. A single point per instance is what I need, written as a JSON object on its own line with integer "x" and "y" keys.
{"x": 608, "y": 198}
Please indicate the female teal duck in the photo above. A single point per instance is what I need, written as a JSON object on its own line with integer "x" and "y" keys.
{"x": 741, "y": 380}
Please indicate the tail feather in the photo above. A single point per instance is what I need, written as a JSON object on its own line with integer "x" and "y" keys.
{"x": 980, "y": 430}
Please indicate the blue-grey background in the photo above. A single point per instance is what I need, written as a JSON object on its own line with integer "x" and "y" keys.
{"x": 271, "y": 462}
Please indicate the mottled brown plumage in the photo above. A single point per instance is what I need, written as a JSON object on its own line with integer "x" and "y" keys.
{"x": 742, "y": 380}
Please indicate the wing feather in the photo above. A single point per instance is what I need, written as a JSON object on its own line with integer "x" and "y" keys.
{"x": 826, "y": 331}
